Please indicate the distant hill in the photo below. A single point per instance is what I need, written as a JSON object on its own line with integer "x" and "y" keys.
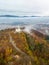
{"x": 8, "y": 16}
{"x": 16, "y": 16}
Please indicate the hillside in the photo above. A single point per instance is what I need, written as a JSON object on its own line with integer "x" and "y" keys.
{"x": 23, "y": 48}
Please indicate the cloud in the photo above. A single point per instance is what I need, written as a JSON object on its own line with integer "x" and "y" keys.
{"x": 26, "y": 7}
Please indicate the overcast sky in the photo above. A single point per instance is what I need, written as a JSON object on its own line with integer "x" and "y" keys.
{"x": 25, "y": 7}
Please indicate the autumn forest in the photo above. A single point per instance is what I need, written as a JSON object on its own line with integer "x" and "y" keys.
{"x": 23, "y": 48}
